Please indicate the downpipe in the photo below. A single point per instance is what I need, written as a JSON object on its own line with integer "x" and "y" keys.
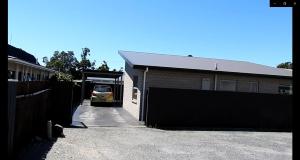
{"x": 143, "y": 93}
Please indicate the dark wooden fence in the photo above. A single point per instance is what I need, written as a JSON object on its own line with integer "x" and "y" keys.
{"x": 32, "y": 104}
{"x": 66, "y": 98}
{"x": 218, "y": 110}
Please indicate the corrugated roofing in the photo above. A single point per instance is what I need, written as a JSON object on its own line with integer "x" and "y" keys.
{"x": 199, "y": 63}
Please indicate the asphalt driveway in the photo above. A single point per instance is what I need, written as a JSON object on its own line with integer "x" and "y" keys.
{"x": 113, "y": 134}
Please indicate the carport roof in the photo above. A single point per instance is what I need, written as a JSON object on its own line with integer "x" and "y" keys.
{"x": 103, "y": 74}
{"x": 162, "y": 61}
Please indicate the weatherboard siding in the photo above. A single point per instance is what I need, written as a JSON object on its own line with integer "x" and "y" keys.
{"x": 265, "y": 85}
{"x": 189, "y": 80}
{"x": 179, "y": 80}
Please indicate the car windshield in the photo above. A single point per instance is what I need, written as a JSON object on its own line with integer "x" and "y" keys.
{"x": 102, "y": 89}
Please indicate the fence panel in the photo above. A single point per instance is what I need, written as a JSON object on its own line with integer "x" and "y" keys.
{"x": 217, "y": 109}
{"x": 65, "y": 99}
{"x": 30, "y": 114}
{"x": 11, "y": 108}
{"x": 32, "y": 104}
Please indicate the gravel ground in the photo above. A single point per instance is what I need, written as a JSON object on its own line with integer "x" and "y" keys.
{"x": 112, "y": 134}
{"x": 136, "y": 143}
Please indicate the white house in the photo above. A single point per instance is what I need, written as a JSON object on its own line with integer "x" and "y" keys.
{"x": 23, "y": 66}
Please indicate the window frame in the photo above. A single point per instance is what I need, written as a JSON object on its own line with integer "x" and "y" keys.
{"x": 209, "y": 83}
{"x": 250, "y": 86}
{"x": 286, "y": 85}
{"x": 134, "y": 94}
{"x": 226, "y": 80}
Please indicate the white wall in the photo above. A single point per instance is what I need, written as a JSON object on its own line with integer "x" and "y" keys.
{"x": 133, "y": 107}
{"x": 27, "y": 69}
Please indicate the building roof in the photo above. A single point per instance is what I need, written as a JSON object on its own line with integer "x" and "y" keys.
{"x": 152, "y": 60}
{"x": 22, "y": 62}
{"x": 21, "y": 54}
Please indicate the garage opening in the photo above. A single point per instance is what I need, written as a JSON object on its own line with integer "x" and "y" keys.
{"x": 109, "y": 79}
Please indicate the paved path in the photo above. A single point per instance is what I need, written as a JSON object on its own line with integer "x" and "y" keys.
{"x": 113, "y": 134}
{"x": 96, "y": 116}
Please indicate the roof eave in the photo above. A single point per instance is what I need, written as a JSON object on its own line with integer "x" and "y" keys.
{"x": 211, "y": 71}
{"x": 124, "y": 57}
{"x": 19, "y": 61}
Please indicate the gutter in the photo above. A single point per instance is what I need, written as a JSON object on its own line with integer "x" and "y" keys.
{"x": 143, "y": 93}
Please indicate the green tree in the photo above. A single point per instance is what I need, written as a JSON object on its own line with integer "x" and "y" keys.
{"x": 104, "y": 67}
{"x": 287, "y": 65}
{"x": 45, "y": 60}
{"x": 61, "y": 77}
{"x": 61, "y": 61}
{"x": 85, "y": 63}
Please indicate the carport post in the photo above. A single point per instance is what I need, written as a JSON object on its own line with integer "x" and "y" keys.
{"x": 120, "y": 89}
{"x": 115, "y": 91}
{"x": 82, "y": 87}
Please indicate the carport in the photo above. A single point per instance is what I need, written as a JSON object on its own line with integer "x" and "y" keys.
{"x": 118, "y": 81}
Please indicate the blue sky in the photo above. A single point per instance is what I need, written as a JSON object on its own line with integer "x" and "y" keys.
{"x": 238, "y": 29}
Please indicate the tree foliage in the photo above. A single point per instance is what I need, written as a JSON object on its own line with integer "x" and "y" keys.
{"x": 61, "y": 77}
{"x": 85, "y": 63}
{"x": 45, "y": 60}
{"x": 69, "y": 67}
{"x": 67, "y": 63}
{"x": 103, "y": 67}
{"x": 287, "y": 65}
{"x": 61, "y": 61}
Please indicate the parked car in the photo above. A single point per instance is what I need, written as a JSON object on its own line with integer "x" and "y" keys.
{"x": 101, "y": 93}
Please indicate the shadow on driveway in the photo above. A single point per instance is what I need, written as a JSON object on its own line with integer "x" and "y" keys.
{"x": 36, "y": 150}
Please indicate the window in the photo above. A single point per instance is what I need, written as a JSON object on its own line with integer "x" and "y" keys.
{"x": 135, "y": 89}
{"x": 134, "y": 93}
{"x": 24, "y": 77}
{"x": 253, "y": 87}
{"x": 227, "y": 85}
{"x": 285, "y": 89}
{"x": 11, "y": 74}
{"x": 28, "y": 77}
{"x": 102, "y": 89}
{"x": 20, "y": 76}
{"x": 205, "y": 84}
{"x": 135, "y": 81}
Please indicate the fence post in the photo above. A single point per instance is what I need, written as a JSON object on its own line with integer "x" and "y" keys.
{"x": 11, "y": 108}
{"x": 72, "y": 94}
